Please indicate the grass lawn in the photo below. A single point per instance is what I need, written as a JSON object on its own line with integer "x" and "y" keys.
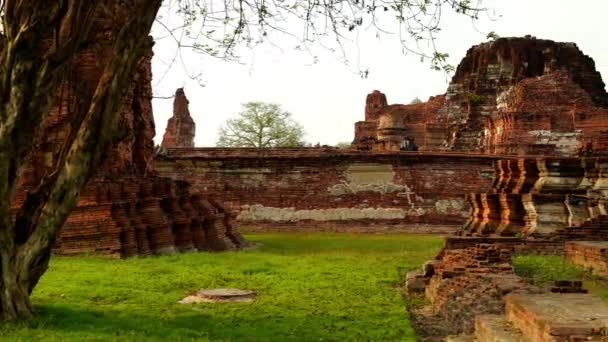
{"x": 543, "y": 270}
{"x": 311, "y": 287}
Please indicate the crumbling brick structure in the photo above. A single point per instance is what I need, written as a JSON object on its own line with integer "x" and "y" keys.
{"x": 509, "y": 99}
{"x": 540, "y": 205}
{"x": 126, "y": 209}
{"x": 474, "y": 292}
{"x": 180, "y": 129}
{"x": 386, "y": 126}
{"x": 558, "y": 198}
{"x": 522, "y": 96}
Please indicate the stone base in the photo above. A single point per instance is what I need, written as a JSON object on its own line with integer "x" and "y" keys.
{"x": 558, "y": 317}
{"x": 495, "y": 328}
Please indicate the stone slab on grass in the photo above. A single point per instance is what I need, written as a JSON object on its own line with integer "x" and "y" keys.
{"x": 219, "y": 295}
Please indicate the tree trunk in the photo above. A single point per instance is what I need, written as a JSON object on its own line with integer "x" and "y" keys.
{"x": 14, "y": 292}
{"x": 27, "y": 75}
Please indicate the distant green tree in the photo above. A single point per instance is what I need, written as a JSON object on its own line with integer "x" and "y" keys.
{"x": 492, "y": 36}
{"x": 343, "y": 145}
{"x": 416, "y": 100}
{"x": 261, "y": 125}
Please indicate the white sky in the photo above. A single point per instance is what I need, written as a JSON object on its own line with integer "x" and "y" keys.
{"x": 328, "y": 97}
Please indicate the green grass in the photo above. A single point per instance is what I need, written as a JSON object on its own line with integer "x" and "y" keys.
{"x": 311, "y": 287}
{"x": 543, "y": 270}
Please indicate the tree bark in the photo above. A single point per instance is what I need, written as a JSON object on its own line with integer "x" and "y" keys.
{"x": 28, "y": 76}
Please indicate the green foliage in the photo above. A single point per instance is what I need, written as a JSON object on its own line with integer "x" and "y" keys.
{"x": 543, "y": 270}
{"x": 343, "y": 145}
{"x": 416, "y": 101}
{"x": 473, "y": 98}
{"x": 439, "y": 62}
{"x": 492, "y": 36}
{"x": 311, "y": 287}
{"x": 261, "y": 125}
{"x": 220, "y": 28}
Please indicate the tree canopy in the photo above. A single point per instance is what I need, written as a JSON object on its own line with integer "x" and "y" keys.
{"x": 261, "y": 125}
{"x": 220, "y": 28}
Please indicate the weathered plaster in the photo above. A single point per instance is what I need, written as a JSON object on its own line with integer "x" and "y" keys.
{"x": 566, "y": 143}
{"x": 377, "y": 178}
{"x": 259, "y": 212}
{"x": 450, "y": 206}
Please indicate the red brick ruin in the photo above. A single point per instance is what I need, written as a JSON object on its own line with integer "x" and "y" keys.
{"x": 180, "y": 127}
{"x": 127, "y": 209}
{"x": 513, "y": 157}
{"x": 510, "y": 98}
{"x": 521, "y": 96}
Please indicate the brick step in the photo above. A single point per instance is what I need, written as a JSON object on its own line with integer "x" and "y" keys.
{"x": 558, "y": 317}
{"x": 460, "y": 338}
{"x": 496, "y": 328}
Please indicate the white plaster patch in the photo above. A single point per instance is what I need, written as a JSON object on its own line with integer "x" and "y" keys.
{"x": 254, "y": 180}
{"x": 251, "y": 177}
{"x": 346, "y": 188}
{"x": 504, "y": 98}
{"x": 565, "y": 142}
{"x": 377, "y": 178}
{"x": 258, "y": 212}
{"x": 450, "y": 206}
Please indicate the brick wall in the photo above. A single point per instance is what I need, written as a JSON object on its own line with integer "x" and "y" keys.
{"x": 334, "y": 189}
{"x": 589, "y": 254}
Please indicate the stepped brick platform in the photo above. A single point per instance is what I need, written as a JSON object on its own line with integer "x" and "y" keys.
{"x": 558, "y": 317}
{"x": 151, "y": 215}
{"x": 539, "y": 205}
{"x": 589, "y": 254}
{"x": 560, "y": 198}
{"x": 475, "y": 291}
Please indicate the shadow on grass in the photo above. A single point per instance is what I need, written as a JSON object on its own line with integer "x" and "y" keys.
{"x": 60, "y": 322}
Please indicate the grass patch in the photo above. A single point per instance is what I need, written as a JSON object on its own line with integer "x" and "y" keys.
{"x": 543, "y": 270}
{"x": 310, "y": 287}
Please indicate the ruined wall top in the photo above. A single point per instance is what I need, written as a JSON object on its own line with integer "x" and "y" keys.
{"x": 490, "y": 73}
{"x": 506, "y": 61}
{"x": 180, "y": 129}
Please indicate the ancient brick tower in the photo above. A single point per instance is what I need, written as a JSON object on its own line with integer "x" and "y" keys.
{"x": 374, "y": 104}
{"x": 180, "y": 127}
{"x": 515, "y": 96}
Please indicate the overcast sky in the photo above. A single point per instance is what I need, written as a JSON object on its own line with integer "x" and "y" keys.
{"x": 328, "y": 97}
